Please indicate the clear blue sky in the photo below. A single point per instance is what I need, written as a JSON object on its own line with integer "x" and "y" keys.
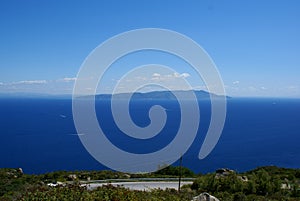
{"x": 255, "y": 44}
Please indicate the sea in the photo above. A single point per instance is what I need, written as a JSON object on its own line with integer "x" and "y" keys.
{"x": 39, "y": 135}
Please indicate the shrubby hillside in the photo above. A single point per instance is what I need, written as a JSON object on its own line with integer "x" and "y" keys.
{"x": 264, "y": 183}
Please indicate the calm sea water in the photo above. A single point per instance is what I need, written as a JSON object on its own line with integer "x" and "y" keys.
{"x": 39, "y": 136}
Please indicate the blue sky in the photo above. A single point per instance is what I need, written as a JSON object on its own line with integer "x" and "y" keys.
{"x": 254, "y": 44}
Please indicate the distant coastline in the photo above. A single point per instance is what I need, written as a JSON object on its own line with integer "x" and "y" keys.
{"x": 160, "y": 95}
{"x": 167, "y": 95}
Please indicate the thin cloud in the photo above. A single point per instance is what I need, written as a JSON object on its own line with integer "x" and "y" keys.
{"x": 141, "y": 78}
{"x": 263, "y": 88}
{"x": 30, "y": 82}
{"x": 157, "y": 76}
{"x": 69, "y": 79}
{"x": 236, "y": 82}
{"x": 184, "y": 75}
{"x": 200, "y": 87}
{"x": 292, "y": 89}
{"x": 252, "y": 88}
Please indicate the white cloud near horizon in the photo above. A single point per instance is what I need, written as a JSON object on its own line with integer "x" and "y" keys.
{"x": 140, "y": 79}
{"x": 184, "y": 75}
{"x": 37, "y": 86}
{"x": 263, "y": 88}
{"x": 30, "y": 82}
{"x": 65, "y": 86}
{"x": 200, "y": 87}
{"x": 158, "y": 76}
{"x": 67, "y": 79}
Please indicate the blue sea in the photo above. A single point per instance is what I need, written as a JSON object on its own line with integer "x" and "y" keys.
{"x": 39, "y": 135}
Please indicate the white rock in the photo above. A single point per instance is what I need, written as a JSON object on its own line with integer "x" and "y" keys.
{"x": 205, "y": 197}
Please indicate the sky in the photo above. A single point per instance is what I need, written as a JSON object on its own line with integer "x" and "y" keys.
{"x": 255, "y": 45}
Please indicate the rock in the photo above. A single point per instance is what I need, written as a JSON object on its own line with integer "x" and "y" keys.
{"x": 243, "y": 178}
{"x": 223, "y": 172}
{"x": 58, "y": 183}
{"x": 72, "y": 176}
{"x": 205, "y": 197}
{"x": 286, "y": 186}
{"x": 20, "y": 170}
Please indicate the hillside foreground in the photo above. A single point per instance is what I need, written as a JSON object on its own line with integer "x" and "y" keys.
{"x": 264, "y": 183}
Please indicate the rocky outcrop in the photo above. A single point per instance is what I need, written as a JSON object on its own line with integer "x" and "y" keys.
{"x": 20, "y": 170}
{"x": 205, "y": 197}
{"x": 58, "y": 183}
{"x": 72, "y": 176}
{"x": 223, "y": 172}
{"x": 243, "y": 178}
{"x": 15, "y": 173}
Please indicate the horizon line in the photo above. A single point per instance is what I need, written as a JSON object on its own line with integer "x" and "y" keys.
{"x": 53, "y": 95}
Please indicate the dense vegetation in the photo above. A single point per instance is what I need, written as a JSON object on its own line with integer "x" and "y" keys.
{"x": 265, "y": 183}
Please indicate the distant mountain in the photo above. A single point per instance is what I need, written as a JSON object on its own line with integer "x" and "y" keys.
{"x": 159, "y": 95}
